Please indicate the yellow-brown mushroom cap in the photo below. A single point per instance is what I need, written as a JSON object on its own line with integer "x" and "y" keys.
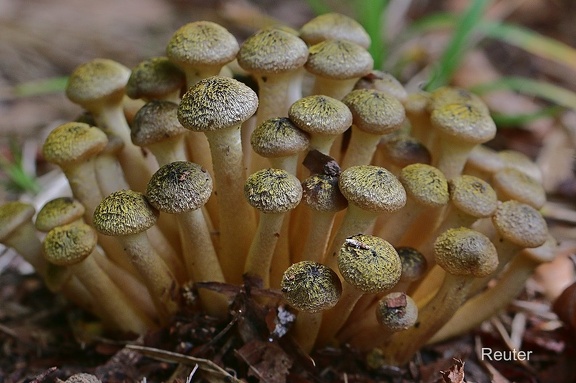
{"x": 425, "y": 184}
{"x": 465, "y": 252}
{"x": 520, "y": 224}
{"x": 278, "y": 137}
{"x": 57, "y": 212}
{"x": 12, "y": 215}
{"x": 334, "y": 26}
{"x": 454, "y": 95}
{"x": 472, "y": 196}
{"x": 273, "y": 191}
{"x": 369, "y": 263}
{"x": 372, "y": 188}
{"x": 216, "y": 103}
{"x": 383, "y": 82}
{"x": 311, "y": 286}
{"x": 511, "y": 183}
{"x": 154, "y": 78}
{"x": 397, "y": 311}
{"x": 321, "y": 193}
{"x": 69, "y": 244}
{"x": 73, "y": 142}
{"x": 375, "y": 112}
{"x": 465, "y": 122}
{"x": 319, "y": 114}
{"x": 124, "y": 212}
{"x": 156, "y": 121}
{"x": 339, "y": 60}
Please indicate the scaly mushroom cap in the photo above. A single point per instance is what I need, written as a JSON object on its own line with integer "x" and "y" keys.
{"x": 154, "y": 78}
{"x": 83, "y": 378}
{"x": 473, "y": 196}
{"x": 73, "y": 142}
{"x": 12, "y": 215}
{"x": 334, "y": 26}
{"x": 453, "y": 95}
{"x": 425, "y": 184}
{"x": 369, "y": 263}
{"x": 414, "y": 264}
{"x": 273, "y": 191}
{"x": 339, "y": 60}
{"x": 520, "y": 224}
{"x": 375, "y": 112}
{"x": 57, "y": 212}
{"x": 96, "y": 81}
{"x": 383, "y": 82}
{"x": 401, "y": 150}
{"x": 372, "y": 188}
{"x": 511, "y": 183}
{"x": 272, "y": 50}
{"x": 178, "y": 187}
{"x": 156, "y": 121}
{"x": 462, "y": 251}
{"x": 311, "y": 286}
{"x": 465, "y": 122}
{"x": 202, "y": 43}
{"x": 319, "y": 114}
{"x": 321, "y": 192}
{"x": 69, "y": 244}
{"x": 216, "y": 103}
{"x": 124, "y": 212}
{"x": 278, "y": 137}
{"x": 397, "y": 311}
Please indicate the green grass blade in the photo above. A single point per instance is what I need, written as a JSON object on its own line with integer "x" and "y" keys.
{"x": 371, "y": 14}
{"x": 39, "y": 87}
{"x": 319, "y": 7}
{"x": 505, "y": 120}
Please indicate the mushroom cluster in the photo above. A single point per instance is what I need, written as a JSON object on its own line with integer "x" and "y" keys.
{"x": 378, "y": 214}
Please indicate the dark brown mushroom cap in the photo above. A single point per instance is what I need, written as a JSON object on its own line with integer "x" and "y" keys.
{"x": 273, "y": 191}
{"x": 339, "y": 60}
{"x": 156, "y": 121}
{"x": 319, "y": 114}
{"x": 321, "y": 193}
{"x": 414, "y": 264}
{"x": 472, "y": 196}
{"x": 72, "y": 143}
{"x": 272, "y": 50}
{"x": 57, "y": 212}
{"x": 401, "y": 150}
{"x": 465, "y": 252}
{"x": 154, "y": 78}
{"x": 372, "y": 188}
{"x": 397, "y": 311}
{"x": 369, "y": 263}
{"x": 511, "y": 183}
{"x": 12, "y": 215}
{"x": 375, "y": 112}
{"x": 216, "y": 103}
{"x": 70, "y": 244}
{"x": 334, "y": 26}
{"x": 311, "y": 286}
{"x": 124, "y": 212}
{"x": 465, "y": 122}
{"x": 520, "y": 224}
{"x": 179, "y": 187}
{"x": 425, "y": 184}
{"x": 202, "y": 43}
{"x": 383, "y": 82}
{"x": 278, "y": 137}
{"x": 96, "y": 81}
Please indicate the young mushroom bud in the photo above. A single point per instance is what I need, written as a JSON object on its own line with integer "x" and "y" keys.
{"x": 369, "y": 265}
{"x": 127, "y": 215}
{"x": 273, "y": 192}
{"x": 311, "y": 288}
{"x": 383, "y": 82}
{"x": 398, "y": 150}
{"x": 374, "y": 114}
{"x": 156, "y": 78}
{"x": 334, "y": 26}
{"x": 217, "y": 106}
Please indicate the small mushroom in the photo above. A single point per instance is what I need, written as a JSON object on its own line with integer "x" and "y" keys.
{"x": 334, "y": 26}
{"x": 156, "y": 78}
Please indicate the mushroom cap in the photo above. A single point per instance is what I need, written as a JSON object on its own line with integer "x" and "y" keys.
{"x": 154, "y": 78}
{"x": 216, "y": 103}
{"x": 416, "y": 103}
{"x": 397, "y": 311}
{"x": 202, "y": 43}
{"x": 69, "y": 244}
{"x": 383, "y": 82}
{"x": 520, "y": 224}
{"x": 311, "y": 286}
{"x": 271, "y": 51}
{"x": 484, "y": 159}
{"x": 12, "y": 215}
{"x": 472, "y": 196}
{"x": 401, "y": 150}
{"x": 518, "y": 160}
{"x": 543, "y": 253}
{"x": 414, "y": 264}
{"x": 73, "y": 142}
{"x": 57, "y": 212}
{"x": 372, "y": 188}
{"x": 83, "y": 378}
{"x": 453, "y": 95}
{"x": 426, "y": 184}
{"x": 124, "y": 212}
{"x": 178, "y": 187}
{"x": 465, "y": 252}
{"x": 334, "y": 26}
{"x": 278, "y": 137}
{"x": 465, "y": 122}
{"x": 97, "y": 81}
{"x": 319, "y": 114}
{"x": 321, "y": 192}
{"x": 369, "y": 263}
{"x": 511, "y": 183}
{"x": 375, "y": 112}
{"x": 273, "y": 191}
{"x": 339, "y": 60}
{"x": 155, "y": 122}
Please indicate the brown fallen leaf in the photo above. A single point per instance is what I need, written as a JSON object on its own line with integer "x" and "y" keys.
{"x": 454, "y": 374}
{"x": 267, "y": 361}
